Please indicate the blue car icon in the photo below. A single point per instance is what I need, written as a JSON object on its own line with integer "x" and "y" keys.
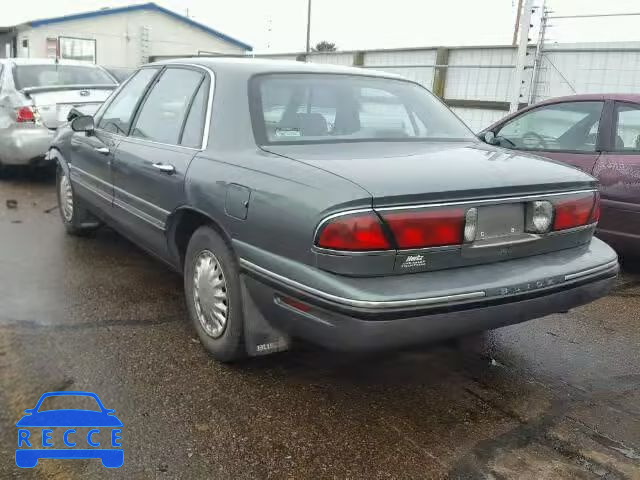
{"x": 69, "y": 419}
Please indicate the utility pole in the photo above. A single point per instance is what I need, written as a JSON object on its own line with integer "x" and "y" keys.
{"x": 521, "y": 56}
{"x": 537, "y": 63}
{"x": 517, "y": 25}
{"x": 308, "y": 26}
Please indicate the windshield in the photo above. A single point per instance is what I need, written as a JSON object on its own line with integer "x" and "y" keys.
{"x": 313, "y": 108}
{"x": 27, "y": 76}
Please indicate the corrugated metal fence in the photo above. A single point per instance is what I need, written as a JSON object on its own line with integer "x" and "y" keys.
{"x": 477, "y": 81}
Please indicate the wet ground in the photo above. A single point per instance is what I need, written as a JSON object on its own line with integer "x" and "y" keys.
{"x": 553, "y": 398}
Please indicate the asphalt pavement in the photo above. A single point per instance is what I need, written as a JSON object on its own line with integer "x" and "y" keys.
{"x": 557, "y": 397}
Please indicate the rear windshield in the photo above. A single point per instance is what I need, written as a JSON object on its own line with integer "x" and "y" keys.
{"x": 314, "y": 108}
{"x": 27, "y": 76}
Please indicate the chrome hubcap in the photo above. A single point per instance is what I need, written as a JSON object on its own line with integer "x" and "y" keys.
{"x": 66, "y": 198}
{"x": 210, "y": 294}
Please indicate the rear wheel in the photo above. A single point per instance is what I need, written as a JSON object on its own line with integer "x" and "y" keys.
{"x": 75, "y": 217}
{"x": 214, "y": 299}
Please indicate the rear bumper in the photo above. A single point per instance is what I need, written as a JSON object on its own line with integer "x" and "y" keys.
{"x": 378, "y": 323}
{"x": 24, "y": 144}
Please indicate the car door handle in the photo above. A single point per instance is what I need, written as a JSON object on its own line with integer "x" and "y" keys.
{"x": 102, "y": 150}
{"x": 165, "y": 168}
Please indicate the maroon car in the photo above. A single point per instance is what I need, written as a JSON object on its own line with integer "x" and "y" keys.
{"x": 599, "y": 134}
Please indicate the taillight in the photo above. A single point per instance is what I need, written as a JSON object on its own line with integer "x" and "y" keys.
{"x": 576, "y": 210}
{"x": 25, "y": 114}
{"x": 539, "y": 216}
{"x": 426, "y": 228}
{"x": 357, "y": 232}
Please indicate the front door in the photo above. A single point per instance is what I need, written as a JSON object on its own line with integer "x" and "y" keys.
{"x": 92, "y": 153}
{"x": 618, "y": 171}
{"x": 568, "y": 132}
{"x": 152, "y": 162}
{"x": 90, "y": 166}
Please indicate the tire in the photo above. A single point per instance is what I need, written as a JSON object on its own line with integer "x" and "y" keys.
{"x": 212, "y": 288}
{"x": 77, "y": 220}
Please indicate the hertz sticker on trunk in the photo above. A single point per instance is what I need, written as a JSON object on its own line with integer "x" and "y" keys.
{"x": 414, "y": 261}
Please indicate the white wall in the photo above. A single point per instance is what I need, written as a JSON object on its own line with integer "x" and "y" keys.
{"x": 478, "y": 118}
{"x": 478, "y": 83}
{"x": 118, "y": 37}
{"x": 389, "y": 59}
{"x": 573, "y": 71}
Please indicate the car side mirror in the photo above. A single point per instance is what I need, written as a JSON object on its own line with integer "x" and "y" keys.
{"x": 490, "y": 138}
{"x": 83, "y": 123}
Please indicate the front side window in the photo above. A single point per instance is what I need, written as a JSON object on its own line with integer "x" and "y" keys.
{"x": 27, "y": 76}
{"x": 118, "y": 115}
{"x": 627, "y": 128}
{"x": 571, "y": 126}
{"x": 310, "y": 108}
{"x": 165, "y": 108}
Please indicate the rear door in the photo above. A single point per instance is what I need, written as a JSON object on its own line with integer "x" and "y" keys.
{"x": 569, "y": 132}
{"x": 151, "y": 163}
{"x": 618, "y": 170}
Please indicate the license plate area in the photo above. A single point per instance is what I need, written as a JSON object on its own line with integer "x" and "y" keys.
{"x": 500, "y": 222}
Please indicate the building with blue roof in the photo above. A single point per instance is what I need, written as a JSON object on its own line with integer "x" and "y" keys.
{"x": 122, "y": 37}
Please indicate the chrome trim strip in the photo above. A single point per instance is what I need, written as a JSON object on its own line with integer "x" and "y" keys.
{"x": 81, "y": 172}
{"x": 497, "y": 200}
{"x": 92, "y": 189}
{"x": 117, "y": 202}
{"x": 362, "y": 303}
{"x": 139, "y": 213}
{"x": 591, "y": 271}
{"x": 141, "y": 200}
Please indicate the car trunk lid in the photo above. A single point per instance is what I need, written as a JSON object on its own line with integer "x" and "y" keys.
{"x": 439, "y": 182}
{"x": 53, "y": 104}
{"x": 405, "y": 173}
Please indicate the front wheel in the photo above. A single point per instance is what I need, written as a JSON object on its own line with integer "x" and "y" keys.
{"x": 214, "y": 299}
{"x": 75, "y": 217}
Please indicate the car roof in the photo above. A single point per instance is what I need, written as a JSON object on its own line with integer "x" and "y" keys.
{"x": 252, "y": 66}
{"x": 632, "y": 97}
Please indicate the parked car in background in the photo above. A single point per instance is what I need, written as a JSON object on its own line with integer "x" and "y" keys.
{"x": 343, "y": 206}
{"x": 36, "y": 96}
{"x": 599, "y": 134}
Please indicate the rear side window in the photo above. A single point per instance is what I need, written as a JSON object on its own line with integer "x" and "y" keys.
{"x": 118, "y": 115}
{"x": 165, "y": 108}
{"x": 627, "y": 128}
{"x": 194, "y": 126}
{"x": 27, "y": 76}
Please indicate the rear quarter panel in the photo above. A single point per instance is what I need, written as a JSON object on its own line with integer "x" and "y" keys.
{"x": 287, "y": 199}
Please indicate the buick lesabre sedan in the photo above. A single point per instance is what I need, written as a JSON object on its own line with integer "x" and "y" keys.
{"x": 341, "y": 206}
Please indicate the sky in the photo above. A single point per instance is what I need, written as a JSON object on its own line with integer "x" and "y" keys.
{"x": 280, "y": 25}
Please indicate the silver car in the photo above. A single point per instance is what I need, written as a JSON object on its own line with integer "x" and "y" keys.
{"x": 36, "y": 96}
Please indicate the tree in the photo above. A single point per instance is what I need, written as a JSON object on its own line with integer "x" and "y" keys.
{"x": 325, "y": 46}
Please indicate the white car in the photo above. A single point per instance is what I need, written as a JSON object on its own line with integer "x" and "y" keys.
{"x": 36, "y": 96}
